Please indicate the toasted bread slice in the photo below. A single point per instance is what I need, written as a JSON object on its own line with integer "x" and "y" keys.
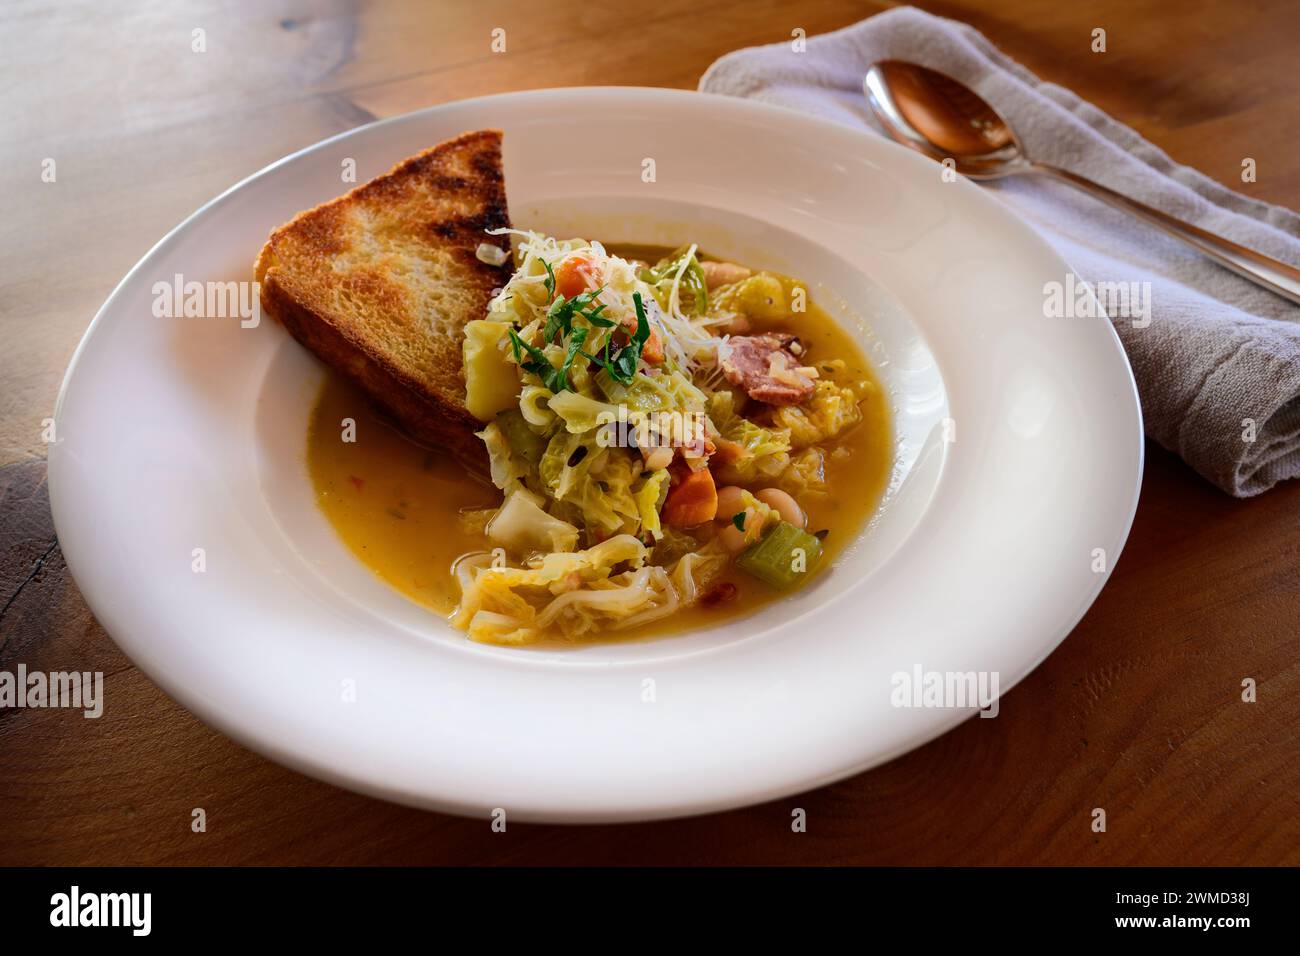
{"x": 379, "y": 283}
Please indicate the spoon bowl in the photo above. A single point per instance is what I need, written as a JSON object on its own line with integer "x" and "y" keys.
{"x": 934, "y": 114}
{"x": 946, "y": 120}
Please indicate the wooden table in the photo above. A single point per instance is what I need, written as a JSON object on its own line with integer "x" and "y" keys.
{"x": 1139, "y": 712}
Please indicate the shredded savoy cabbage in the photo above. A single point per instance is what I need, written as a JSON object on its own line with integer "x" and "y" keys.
{"x": 600, "y": 376}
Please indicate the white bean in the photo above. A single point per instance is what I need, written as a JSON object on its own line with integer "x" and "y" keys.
{"x": 785, "y": 506}
{"x": 731, "y": 499}
{"x": 735, "y": 540}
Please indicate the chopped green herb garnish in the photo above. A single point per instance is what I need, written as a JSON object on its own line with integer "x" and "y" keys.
{"x": 553, "y": 378}
{"x": 560, "y": 328}
{"x": 622, "y": 365}
{"x": 559, "y": 317}
{"x": 642, "y": 323}
{"x": 576, "y": 340}
{"x": 555, "y": 320}
{"x": 549, "y": 281}
{"x": 738, "y": 519}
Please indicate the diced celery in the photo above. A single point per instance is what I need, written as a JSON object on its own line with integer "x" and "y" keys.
{"x": 784, "y": 557}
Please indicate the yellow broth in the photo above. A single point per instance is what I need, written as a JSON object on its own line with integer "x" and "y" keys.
{"x": 397, "y": 505}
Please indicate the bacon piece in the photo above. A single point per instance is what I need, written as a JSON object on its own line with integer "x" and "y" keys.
{"x": 766, "y": 367}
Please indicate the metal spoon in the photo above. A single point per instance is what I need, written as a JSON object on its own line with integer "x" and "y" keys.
{"x": 940, "y": 118}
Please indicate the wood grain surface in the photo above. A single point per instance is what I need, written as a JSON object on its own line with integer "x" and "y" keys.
{"x": 1139, "y": 712}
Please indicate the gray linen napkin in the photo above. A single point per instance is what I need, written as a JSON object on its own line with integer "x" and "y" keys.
{"x": 1217, "y": 361}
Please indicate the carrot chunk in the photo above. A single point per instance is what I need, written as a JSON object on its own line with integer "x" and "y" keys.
{"x": 692, "y": 501}
{"x": 653, "y": 349}
{"x": 573, "y": 275}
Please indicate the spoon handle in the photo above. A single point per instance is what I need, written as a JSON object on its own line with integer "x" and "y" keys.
{"x": 1277, "y": 277}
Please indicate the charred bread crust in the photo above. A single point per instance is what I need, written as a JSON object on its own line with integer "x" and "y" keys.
{"x": 468, "y": 169}
{"x": 424, "y": 419}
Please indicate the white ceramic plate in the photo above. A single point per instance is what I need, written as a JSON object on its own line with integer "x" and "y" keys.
{"x": 176, "y": 434}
